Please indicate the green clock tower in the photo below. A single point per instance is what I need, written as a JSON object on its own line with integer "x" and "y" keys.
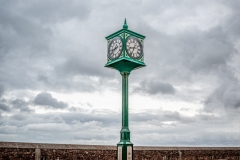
{"x": 125, "y": 53}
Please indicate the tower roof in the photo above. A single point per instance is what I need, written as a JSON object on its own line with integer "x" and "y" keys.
{"x": 125, "y": 26}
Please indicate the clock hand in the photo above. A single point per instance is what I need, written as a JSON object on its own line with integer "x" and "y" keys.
{"x": 115, "y": 47}
{"x": 133, "y": 48}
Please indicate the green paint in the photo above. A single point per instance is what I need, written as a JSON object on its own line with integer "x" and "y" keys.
{"x": 125, "y": 107}
{"x": 125, "y": 26}
{"x": 125, "y": 64}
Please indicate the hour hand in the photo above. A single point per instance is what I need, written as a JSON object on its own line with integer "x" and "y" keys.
{"x": 115, "y": 47}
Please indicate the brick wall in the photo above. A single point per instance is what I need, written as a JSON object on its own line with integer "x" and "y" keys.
{"x": 40, "y": 151}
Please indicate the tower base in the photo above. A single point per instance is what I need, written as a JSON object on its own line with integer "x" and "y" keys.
{"x": 125, "y": 150}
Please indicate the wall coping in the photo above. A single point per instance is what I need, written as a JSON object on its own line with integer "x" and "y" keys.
{"x": 102, "y": 147}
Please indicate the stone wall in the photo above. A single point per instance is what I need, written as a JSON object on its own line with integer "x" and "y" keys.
{"x": 40, "y": 151}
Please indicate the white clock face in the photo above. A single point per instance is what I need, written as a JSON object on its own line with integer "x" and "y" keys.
{"x": 115, "y": 48}
{"x": 134, "y": 48}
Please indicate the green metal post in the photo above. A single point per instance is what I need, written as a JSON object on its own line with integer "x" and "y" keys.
{"x": 125, "y": 146}
{"x": 125, "y": 63}
{"x": 125, "y": 133}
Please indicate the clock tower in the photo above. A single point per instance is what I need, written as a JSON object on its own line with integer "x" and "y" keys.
{"x": 125, "y": 53}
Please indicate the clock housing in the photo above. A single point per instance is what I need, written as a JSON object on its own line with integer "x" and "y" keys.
{"x": 130, "y": 55}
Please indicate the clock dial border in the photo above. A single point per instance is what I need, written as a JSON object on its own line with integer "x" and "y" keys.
{"x": 110, "y": 44}
{"x": 139, "y": 47}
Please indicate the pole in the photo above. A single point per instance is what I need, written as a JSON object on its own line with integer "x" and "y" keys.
{"x": 125, "y": 146}
{"x": 125, "y": 132}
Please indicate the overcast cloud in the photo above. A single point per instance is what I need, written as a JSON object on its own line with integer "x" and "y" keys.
{"x": 54, "y": 87}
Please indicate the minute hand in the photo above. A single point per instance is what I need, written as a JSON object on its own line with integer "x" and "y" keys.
{"x": 135, "y": 47}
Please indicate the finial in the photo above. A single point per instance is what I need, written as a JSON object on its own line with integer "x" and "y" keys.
{"x": 125, "y": 26}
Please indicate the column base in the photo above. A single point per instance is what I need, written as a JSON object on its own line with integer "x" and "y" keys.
{"x": 125, "y": 150}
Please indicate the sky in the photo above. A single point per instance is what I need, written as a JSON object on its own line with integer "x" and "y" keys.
{"x": 54, "y": 87}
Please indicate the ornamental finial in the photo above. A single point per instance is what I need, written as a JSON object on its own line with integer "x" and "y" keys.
{"x": 125, "y": 26}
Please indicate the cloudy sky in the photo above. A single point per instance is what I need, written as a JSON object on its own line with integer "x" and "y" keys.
{"x": 54, "y": 87}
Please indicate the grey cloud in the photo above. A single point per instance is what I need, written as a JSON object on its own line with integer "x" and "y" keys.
{"x": 1, "y": 90}
{"x": 232, "y": 23}
{"x": 226, "y": 95}
{"x": 19, "y": 117}
{"x": 20, "y": 32}
{"x": 8, "y": 129}
{"x": 4, "y": 107}
{"x": 163, "y": 116}
{"x": 64, "y": 80}
{"x": 46, "y": 99}
{"x": 171, "y": 115}
{"x": 194, "y": 138}
{"x": 199, "y": 51}
{"x": 79, "y": 125}
{"x": 57, "y": 11}
{"x": 26, "y": 24}
{"x": 206, "y": 117}
{"x": 43, "y": 78}
{"x": 22, "y": 41}
{"x": 21, "y": 104}
{"x": 80, "y": 66}
{"x": 50, "y": 127}
{"x": 83, "y": 84}
{"x": 213, "y": 49}
{"x": 56, "y": 119}
{"x": 182, "y": 57}
{"x": 155, "y": 87}
{"x": 223, "y": 138}
{"x": 237, "y": 105}
{"x": 28, "y": 32}
{"x": 81, "y": 74}
{"x": 97, "y": 136}
{"x": 95, "y": 115}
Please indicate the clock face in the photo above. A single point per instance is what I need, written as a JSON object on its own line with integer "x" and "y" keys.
{"x": 134, "y": 48}
{"x": 115, "y": 48}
